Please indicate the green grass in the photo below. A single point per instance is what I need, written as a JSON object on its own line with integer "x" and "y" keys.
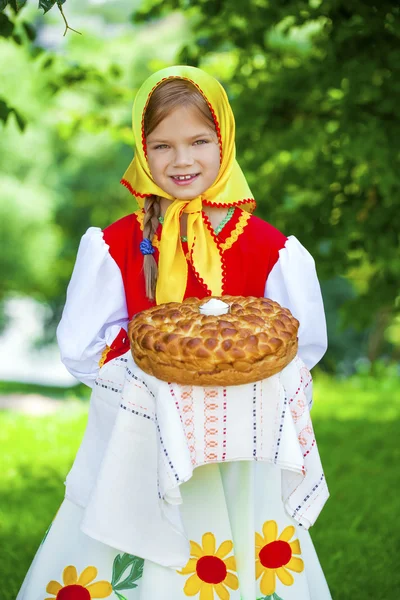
{"x": 357, "y": 535}
{"x": 37, "y": 453}
{"x": 80, "y": 391}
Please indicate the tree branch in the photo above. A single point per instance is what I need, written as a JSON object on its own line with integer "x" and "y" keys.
{"x": 65, "y": 21}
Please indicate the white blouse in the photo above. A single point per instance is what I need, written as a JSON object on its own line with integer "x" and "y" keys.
{"x": 95, "y": 308}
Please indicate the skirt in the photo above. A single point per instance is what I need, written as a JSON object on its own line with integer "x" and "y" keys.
{"x": 243, "y": 546}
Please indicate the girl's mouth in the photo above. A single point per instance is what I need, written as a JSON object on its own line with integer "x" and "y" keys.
{"x": 184, "y": 179}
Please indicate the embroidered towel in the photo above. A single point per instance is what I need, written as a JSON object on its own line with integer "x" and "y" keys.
{"x": 145, "y": 437}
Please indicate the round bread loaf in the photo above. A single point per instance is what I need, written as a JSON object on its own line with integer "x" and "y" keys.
{"x": 175, "y": 342}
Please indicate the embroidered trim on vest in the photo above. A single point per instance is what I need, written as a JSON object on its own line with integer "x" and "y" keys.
{"x": 139, "y": 214}
{"x": 251, "y": 201}
{"x": 103, "y": 357}
{"x": 239, "y": 228}
{"x": 226, "y": 220}
{"x": 219, "y": 227}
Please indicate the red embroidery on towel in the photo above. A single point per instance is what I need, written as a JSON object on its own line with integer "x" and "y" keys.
{"x": 224, "y": 420}
{"x": 211, "y": 424}
{"x": 187, "y": 412}
{"x": 306, "y": 435}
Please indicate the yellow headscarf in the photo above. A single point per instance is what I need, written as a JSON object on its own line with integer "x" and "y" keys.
{"x": 229, "y": 189}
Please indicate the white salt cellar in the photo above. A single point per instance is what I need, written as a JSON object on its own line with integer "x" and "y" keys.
{"x": 214, "y": 307}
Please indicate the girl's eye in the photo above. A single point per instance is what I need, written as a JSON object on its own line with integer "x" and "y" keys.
{"x": 160, "y": 147}
{"x": 200, "y": 142}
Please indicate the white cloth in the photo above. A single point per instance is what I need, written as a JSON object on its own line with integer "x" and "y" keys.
{"x": 145, "y": 438}
{"x": 95, "y": 307}
{"x": 293, "y": 282}
{"x": 228, "y": 503}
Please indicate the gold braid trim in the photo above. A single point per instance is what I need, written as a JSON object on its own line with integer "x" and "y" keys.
{"x": 140, "y": 217}
{"x": 240, "y": 225}
{"x": 103, "y": 357}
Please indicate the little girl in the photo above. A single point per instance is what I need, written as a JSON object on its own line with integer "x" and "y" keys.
{"x": 193, "y": 235}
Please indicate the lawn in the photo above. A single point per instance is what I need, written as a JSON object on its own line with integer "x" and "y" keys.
{"x": 357, "y": 535}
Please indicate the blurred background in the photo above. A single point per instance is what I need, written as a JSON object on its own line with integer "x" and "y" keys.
{"x": 315, "y": 88}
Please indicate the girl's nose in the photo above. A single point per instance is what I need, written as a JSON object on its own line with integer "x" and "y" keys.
{"x": 183, "y": 157}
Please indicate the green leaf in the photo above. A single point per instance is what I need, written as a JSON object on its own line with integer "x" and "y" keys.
{"x": 16, "y": 5}
{"x": 119, "y": 566}
{"x": 6, "y": 110}
{"x": 122, "y": 562}
{"x": 120, "y": 596}
{"x": 6, "y": 26}
{"x": 48, "y": 4}
{"x": 137, "y": 569}
{"x": 29, "y": 30}
{"x": 136, "y": 573}
{"x": 276, "y": 597}
{"x": 20, "y": 120}
{"x": 125, "y": 585}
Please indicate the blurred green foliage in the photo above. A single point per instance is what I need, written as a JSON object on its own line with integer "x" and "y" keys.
{"x": 16, "y": 5}
{"x": 315, "y": 87}
{"x": 61, "y": 174}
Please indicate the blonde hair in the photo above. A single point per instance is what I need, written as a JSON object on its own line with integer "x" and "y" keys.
{"x": 168, "y": 96}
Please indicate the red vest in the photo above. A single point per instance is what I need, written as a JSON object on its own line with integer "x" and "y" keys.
{"x": 249, "y": 249}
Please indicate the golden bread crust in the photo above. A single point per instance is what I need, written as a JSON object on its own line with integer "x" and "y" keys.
{"x": 175, "y": 342}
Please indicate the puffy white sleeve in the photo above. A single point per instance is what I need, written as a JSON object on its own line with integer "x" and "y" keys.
{"x": 293, "y": 282}
{"x": 95, "y": 308}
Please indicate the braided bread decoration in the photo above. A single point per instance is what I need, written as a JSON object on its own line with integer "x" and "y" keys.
{"x": 175, "y": 342}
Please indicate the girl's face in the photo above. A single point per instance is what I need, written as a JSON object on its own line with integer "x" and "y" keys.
{"x": 183, "y": 154}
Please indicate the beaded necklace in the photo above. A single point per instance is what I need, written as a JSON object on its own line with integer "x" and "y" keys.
{"x": 218, "y": 228}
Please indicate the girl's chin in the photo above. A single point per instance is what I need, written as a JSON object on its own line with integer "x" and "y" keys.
{"x": 185, "y": 194}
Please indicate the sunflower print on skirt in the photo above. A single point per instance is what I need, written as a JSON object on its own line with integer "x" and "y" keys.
{"x": 210, "y": 570}
{"x": 274, "y": 557}
{"x": 79, "y": 588}
{"x": 126, "y": 571}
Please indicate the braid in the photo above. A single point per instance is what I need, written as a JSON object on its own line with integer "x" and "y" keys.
{"x": 150, "y": 223}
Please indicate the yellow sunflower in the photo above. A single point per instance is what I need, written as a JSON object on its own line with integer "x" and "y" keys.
{"x": 210, "y": 569}
{"x": 274, "y": 556}
{"x": 75, "y": 588}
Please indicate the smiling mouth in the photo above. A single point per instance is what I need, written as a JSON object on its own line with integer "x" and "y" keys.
{"x": 184, "y": 178}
